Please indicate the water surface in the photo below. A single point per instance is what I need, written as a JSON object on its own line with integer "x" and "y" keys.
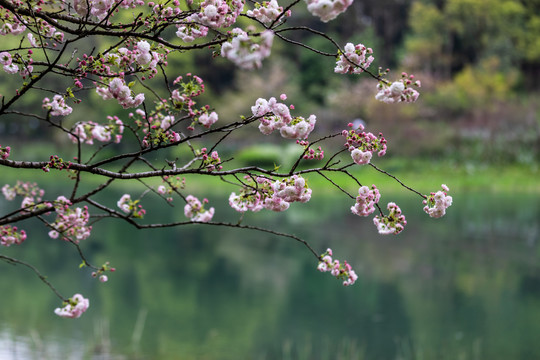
{"x": 463, "y": 287}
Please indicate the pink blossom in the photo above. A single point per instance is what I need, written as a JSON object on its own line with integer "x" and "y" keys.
{"x": 354, "y": 59}
{"x": 342, "y": 271}
{"x": 267, "y": 12}
{"x": 57, "y": 106}
{"x": 118, "y": 90}
{"x": 167, "y": 122}
{"x": 366, "y": 200}
{"x": 361, "y": 157}
{"x": 32, "y": 40}
{"x": 298, "y": 128}
{"x": 246, "y": 51}
{"x": 194, "y": 210}
{"x": 5, "y": 58}
{"x": 437, "y": 202}
{"x": 208, "y": 119}
{"x": 191, "y": 31}
{"x": 9, "y": 192}
{"x": 327, "y": 10}
{"x": 393, "y": 223}
{"x": 123, "y": 203}
{"x": 398, "y": 91}
{"x": 4, "y": 152}
{"x": 70, "y": 223}
{"x": 218, "y": 13}
{"x": 101, "y": 133}
{"x": 11, "y": 68}
{"x": 74, "y": 307}
{"x": 10, "y": 235}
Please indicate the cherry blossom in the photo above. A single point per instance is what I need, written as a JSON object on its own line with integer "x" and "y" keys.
{"x": 266, "y": 12}
{"x": 363, "y": 144}
{"x": 366, "y": 200}
{"x": 191, "y": 31}
{"x": 398, "y": 91}
{"x": 4, "y": 152}
{"x": 131, "y": 207}
{"x": 88, "y": 131}
{"x": 246, "y": 51}
{"x": 327, "y": 10}
{"x": 10, "y": 235}
{"x": 276, "y": 116}
{"x": 57, "y": 106}
{"x": 437, "y": 202}
{"x": 392, "y": 223}
{"x": 74, "y": 307}
{"x": 70, "y": 223}
{"x": 118, "y": 90}
{"x": 218, "y": 13}
{"x": 342, "y": 271}
{"x": 264, "y": 193}
{"x": 194, "y": 210}
{"x": 354, "y": 59}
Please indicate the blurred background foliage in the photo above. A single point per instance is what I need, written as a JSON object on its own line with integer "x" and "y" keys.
{"x": 478, "y": 60}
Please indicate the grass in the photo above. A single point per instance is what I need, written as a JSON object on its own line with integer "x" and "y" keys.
{"x": 422, "y": 175}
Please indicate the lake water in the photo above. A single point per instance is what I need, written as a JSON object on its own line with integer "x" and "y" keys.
{"x": 463, "y": 287}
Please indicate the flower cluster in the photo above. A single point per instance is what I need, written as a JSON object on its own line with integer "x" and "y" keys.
{"x": 207, "y": 119}
{"x": 354, "y": 59}
{"x": 212, "y": 162}
{"x": 12, "y": 25}
{"x": 366, "y": 200}
{"x": 309, "y": 153}
{"x": 56, "y": 162}
{"x": 7, "y": 62}
{"x": 437, "y": 203}
{"x": 4, "y": 152}
{"x": 101, "y": 8}
{"x": 298, "y": 128}
{"x": 117, "y": 89}
{"x": 363, "y": 144}
{"x": 247, "y": 52}
{"x": 194, "y": 210}
{"x": 267, "y": 11}
{"x": 398, "y": 91}
{"x": 327, "y": 10}
{"x": 268, "y": 194}
{"x": 30, "y": 192}
{"x": 133, "y": 208}
{"x": 340, "y": 271}
{"x": 188, "y": 88}
{"x": 10, "y": 235}
{"x": 71, "y": 224}
{"x": 87, "y": 131}
{"x": 74, "y": 307}
{"x": 57, "y": 106}
{"x": 157, "y": 125}
{"x": 160, "y": 137}
{"x": 276, "y": 116}
{"x": 140, "y": 57}
{"x": 191, "y": 31}
{"x": 393, "y": 223}
{"x": 218, "y": 13}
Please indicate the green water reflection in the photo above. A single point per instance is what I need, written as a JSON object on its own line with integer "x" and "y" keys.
{"x": 466, "y": 287}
